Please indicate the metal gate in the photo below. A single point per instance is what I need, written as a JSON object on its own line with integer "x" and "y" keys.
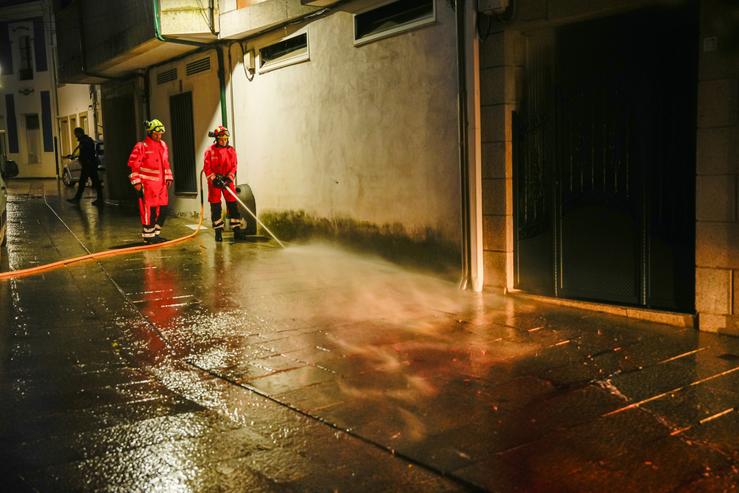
{"x": 533, "y": 158}
{"x": 604, "y": 161}
{"x": 183, "y": 143}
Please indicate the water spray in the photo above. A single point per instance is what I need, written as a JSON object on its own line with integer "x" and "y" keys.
{"x": 254, "y": 216}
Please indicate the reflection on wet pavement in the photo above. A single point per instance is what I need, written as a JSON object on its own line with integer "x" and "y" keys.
{"x": 253, "y": 368}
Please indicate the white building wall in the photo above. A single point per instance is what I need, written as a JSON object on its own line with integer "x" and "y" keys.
{"x": 367, "y": 133}
{"x": 29, "y": 103}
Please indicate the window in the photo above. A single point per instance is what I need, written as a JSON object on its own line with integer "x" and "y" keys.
{"x": 32, "y": 121}
{"x": 392, "y": 18}
{"x": 183, "y": 144}
{"x": 284, "y": 53}
{"x": 26, "y": 69}
{"x": 33, "y": 135}
{"x": 3, "y": 146}
{"x": 83, "y": 122}
{"x": 64, "y": 136}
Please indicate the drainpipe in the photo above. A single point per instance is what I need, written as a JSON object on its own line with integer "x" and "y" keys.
{"x": 147, "y": 98}
{"x": 231, "y": 97}
{"x": 212, "y": 15}
{"x": 94, "y": 96}
{"x": 219, "y": 56}
{"x": 222, "y": 86}
{"x": 51, "y": 33}
{"x": 466, "y": 281}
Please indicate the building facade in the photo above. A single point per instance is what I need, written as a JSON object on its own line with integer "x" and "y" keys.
{"x": 39, "y": 115}
{"x": 27, "y": 86}
{"x": 576, "y": 150}
{"x": 609, "y": 168}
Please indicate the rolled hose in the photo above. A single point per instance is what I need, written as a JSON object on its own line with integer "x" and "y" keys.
{"x": 106, "y": 253}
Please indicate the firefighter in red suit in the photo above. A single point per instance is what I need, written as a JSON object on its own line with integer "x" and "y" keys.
{"x": 151, "y": 176}
{"x": 220, "y": 170}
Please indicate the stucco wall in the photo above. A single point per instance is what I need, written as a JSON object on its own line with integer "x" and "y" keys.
{"x": 367, "y": 134}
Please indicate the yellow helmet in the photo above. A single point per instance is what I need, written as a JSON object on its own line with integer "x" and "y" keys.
{"x": 154, "y": 126}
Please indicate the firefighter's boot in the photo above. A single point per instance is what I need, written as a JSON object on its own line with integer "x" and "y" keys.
{"x": 219, "y": 235}
{"x": 239, "y": 234}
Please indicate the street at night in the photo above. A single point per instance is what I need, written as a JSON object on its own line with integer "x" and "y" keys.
{"x": 247, "y": 367}
{"x": 369, "y": 246}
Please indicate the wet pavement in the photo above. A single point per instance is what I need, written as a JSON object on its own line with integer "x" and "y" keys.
{"x": 246, "y": 367}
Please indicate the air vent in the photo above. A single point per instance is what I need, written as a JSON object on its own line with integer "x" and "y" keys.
{"x": 202, "y": 65}
{"x": 167, "y": 76}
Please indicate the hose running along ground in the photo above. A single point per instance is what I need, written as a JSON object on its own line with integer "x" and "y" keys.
{"x": 98, "y": 255}
{"x": 125, "y": 251}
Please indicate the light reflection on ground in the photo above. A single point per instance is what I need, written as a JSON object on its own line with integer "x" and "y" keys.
{"x": 498, "y": 392}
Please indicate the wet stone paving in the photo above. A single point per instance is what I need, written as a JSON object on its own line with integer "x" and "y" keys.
{"x": 247, "y": 367}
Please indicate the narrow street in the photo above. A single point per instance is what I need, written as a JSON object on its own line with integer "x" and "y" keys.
{"x": 246, "y": 367}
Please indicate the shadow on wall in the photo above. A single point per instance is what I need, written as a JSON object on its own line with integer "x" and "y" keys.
{"x": 426, "y": 250}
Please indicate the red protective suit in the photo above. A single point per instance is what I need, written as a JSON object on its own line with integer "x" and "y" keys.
{"x": 220, "y": 161}
{"x": 149, "y": 163}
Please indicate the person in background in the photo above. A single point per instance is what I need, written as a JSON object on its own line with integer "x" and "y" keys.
{"x": 88, "y": 160}
{"x": 151, "y": 177}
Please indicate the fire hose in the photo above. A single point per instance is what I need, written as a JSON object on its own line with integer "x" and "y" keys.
{"x": 97, "y": 255}
{"x": 124, "y": 251}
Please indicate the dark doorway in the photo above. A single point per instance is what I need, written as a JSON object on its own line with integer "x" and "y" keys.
{"x": 119, "y": 122}
{"x": 604, "y": 161}
{"x": 183, "y": 143}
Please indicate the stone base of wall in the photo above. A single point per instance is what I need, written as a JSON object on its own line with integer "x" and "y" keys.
{"x": 426, "y": 250}
{"x": 682, "y": 320}
{"x": 719, "y": 324}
